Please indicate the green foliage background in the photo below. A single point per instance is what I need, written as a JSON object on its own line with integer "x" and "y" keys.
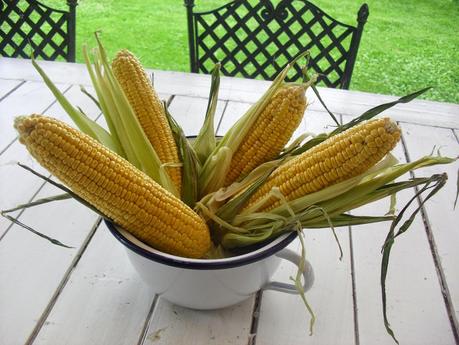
{"x": 406, "y": 45}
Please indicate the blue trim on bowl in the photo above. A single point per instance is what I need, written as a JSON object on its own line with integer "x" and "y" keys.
{"x": 199, "y": 265}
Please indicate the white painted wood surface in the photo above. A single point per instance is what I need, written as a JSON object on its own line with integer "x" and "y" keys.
{"x": 242, "y": 90}
{"x": 442, "y": 217}
{"x": 415, "y": 304}
{"x": 103, "y": 302}
{"x": 31, "y": 270}
{"x": 92, "y": 295}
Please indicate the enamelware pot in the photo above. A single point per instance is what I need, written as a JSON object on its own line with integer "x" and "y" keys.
{"x": 216, "y": 283}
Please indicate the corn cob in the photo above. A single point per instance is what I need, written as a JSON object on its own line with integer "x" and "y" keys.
{"x": 114, "y": 186}
{"x": 270, "y": 132}
{"x": 148, "y": 110}
{"x": 338, "y": 158}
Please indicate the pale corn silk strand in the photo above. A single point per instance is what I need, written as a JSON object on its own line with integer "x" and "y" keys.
{"x": 299, "y": 273}
{"x": 126, "y": 195}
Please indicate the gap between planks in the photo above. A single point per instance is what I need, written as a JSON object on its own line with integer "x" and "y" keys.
{"x": 434, "y": 251}
{"x": 354, "y": 289}
{"x": 63, "y": 283}
{"x": 22, "y": 82}
{"x": 255, "y": 318}
{"x": 144, "y": 332}
{"x": 425, "y": 125}
{"x": 456, "y": 135}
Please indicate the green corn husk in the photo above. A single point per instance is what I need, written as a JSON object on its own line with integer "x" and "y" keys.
{"x": 85, "y": 124}
{"x": 191, "y": 165}
{"x": 205, "y": 143}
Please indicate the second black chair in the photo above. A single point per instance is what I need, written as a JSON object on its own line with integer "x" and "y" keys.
{"x": 256, "y": 39}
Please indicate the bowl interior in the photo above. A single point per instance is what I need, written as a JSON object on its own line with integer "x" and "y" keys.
{"x": 250, "y": 255}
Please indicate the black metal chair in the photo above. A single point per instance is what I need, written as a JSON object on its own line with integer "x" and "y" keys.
{"x": 28, "y": 26}
{"x": 258, "y": 38}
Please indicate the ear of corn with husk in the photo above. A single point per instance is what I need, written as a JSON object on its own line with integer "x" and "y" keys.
{"x": 149, "y": 111}
{"x": 120, "y": 191}
{"x": 250, "y": 141}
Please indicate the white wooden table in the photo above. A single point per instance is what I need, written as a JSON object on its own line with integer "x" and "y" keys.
{"x": 91, "y": 295}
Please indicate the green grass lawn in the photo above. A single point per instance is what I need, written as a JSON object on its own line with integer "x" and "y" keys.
{"x": 406, "y": 44}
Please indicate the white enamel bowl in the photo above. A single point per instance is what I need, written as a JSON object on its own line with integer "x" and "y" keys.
{"x": 211, "y": 284}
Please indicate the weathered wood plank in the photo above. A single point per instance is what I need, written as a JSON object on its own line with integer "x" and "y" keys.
{"x": 243, "y": 90}
{"x": 60, "y": 72}
{"x": 354, "y": 103}
{"x": 103, "y": 302}
{"x": 32, "y": 269}
{"x": 283, "y": 318}
{"x": 181, "y": 326}
{"x": 442, "y": 217}
{"x": 32, "y": 97}
{"x": 415, "y": 305}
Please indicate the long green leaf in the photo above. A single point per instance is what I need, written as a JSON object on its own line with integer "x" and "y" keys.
{"x": 46, "y": 237}
{"x": 38, "y": 202}
{"x": 95, "y": 79}
{"x": 190, "y": 161}
{"x": 85, "y": 124}
{"x": 436, "y": 183}
{"x": 205, "y": 142}
{"x": 369, "y": 114}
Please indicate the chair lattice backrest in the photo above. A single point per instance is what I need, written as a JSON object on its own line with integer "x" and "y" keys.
{"x": 256, "y": 39}
{"x": 30, "y": 27}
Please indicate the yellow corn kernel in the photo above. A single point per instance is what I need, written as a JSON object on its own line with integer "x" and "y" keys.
{"x": 148, "y": 109}
{"x": 115, "y": 187}
{"x": 376, "y": 139}
{"x": 270, "y": 132}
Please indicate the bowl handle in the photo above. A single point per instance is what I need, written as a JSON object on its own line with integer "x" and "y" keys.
{"x": 308, "y": 274}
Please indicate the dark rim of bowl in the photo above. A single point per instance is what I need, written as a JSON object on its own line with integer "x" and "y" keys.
{"x": 211, "y": 265}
